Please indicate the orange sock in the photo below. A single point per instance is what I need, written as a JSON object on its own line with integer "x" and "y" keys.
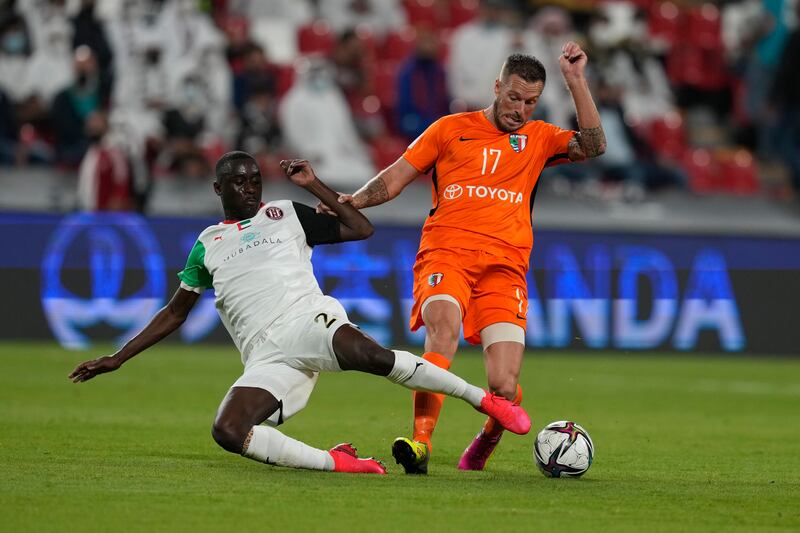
{"x": 492, "y": 428}
{"x": 427, "y": 405}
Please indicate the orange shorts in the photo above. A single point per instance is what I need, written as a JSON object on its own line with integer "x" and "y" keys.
{"x": 489, "y": 289}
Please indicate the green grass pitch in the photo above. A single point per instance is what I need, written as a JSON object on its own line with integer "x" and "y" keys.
{"x": 683, "y": 443}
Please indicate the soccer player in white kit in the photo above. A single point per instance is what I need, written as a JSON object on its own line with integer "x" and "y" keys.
{"x": 258, "y": 261}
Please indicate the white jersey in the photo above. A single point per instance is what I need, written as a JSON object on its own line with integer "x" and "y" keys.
{"x": 259, "y": 267}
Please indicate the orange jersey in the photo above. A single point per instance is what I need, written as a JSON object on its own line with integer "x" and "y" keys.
{"x": 483, "y": 182}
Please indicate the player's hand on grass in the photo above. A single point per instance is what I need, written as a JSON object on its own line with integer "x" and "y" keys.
{"x": 89, "y": 369}
{"x": 572, "y": 60}
{"x": 298, "y": 171}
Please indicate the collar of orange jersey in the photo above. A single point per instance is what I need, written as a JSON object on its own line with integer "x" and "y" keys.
{"x": 228, "y": 221}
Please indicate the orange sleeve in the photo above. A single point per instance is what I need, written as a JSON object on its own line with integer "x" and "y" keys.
{"x": 424, "y": 151}
{"x": 557, "y": 148}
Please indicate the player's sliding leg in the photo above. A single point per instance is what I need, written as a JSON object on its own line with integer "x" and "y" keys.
{"x": 503, "y": 360}
{"x": 237, "y": 429}
{"x": 356, "y": 351}
{"x": 268, "y": 445}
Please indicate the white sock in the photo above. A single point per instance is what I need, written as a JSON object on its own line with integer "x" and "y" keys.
{"x": 416, "y": 373}
{"x": 269, "y": 445}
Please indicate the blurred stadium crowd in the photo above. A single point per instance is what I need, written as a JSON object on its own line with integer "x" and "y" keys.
{"x": 694, "y": 95}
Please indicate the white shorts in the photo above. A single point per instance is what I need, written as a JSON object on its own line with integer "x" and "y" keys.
{"x": 291, "y": 387}
{"x": 286, "y": 359}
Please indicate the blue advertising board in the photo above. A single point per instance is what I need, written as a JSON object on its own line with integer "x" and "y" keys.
{"x": 91, "y": 277}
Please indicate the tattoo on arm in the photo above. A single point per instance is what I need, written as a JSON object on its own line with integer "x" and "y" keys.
{"x": 373, "y": 193}
{"x": 574, "y": 150}
{"x": 588, "y": 142}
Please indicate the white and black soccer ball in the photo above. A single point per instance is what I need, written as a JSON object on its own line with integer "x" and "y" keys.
{"x": 563, "y": 449}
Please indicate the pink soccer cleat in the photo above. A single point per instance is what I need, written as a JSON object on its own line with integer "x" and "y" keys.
{"x": 511, "y": 417}
{"x": 345, "y": 459}
{"x": 478, "y": 452}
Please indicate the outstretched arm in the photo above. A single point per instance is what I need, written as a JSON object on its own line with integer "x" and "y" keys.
{"x": 353, "y": 225}
{"x": 167, "y": 320}
{"x": 385, "y": 186}
{"x": 590, "y": 141}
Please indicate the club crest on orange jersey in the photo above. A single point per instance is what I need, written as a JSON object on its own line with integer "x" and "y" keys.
{"x": 518, "y": 141}
{"x": 435, "y": 278}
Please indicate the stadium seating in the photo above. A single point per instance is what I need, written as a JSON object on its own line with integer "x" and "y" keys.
{"x": 739, "y": 172}
{"x": 422, "y": 12}
{"x": 462, "y": 11}
{"x": 704, "y": 27}
{"x": 315, "y": 37}
{"x": 702, "y": 169}
{"x": 385, "y": 83}
{"x": 728, "y": 172}
{"x": 644, "y": 4}
{"x": 664, "y": 21}
{"x": 667, "y": 136}
{"x": 285, "y": 75}
{"x": 386, "y": 150}
{"x": 398, "y": 44}
{"x": 688, "y": 35}
{"x": 368, "y": 41}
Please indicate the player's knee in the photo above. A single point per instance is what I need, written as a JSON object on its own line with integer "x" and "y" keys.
{"x": 505, "y": 386}
{"x": 445, "y": 333}
{"x": 361, "y": 353}
{"x": 376, "y": 359}
{"x": 229, "y": 434}
{"x": 443, "y": 336}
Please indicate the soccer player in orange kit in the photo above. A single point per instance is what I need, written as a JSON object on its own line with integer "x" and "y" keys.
{"x": 476, "y": 242}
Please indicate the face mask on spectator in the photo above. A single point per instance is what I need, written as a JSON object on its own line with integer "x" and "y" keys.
{"x": 193, "y": 94}
{"x": 320, "y": 79}
{"x": 319, "y": 83}
{"x": 14, "y": 42}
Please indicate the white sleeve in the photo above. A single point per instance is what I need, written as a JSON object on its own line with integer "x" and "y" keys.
{"x": 198, "y": 290}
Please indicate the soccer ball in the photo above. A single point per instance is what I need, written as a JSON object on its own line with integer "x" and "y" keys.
{"x": 563, "y": 449}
